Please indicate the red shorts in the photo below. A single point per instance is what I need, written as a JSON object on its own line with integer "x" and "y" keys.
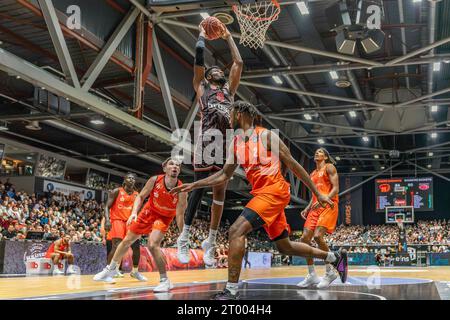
{"x": 118, "y": 230}
{"x": 150, "y": 220}
{"x": 271, "y": 209}
{"x": 323, "y": 217}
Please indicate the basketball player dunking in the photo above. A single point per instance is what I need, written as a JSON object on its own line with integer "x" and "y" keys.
{"x": 319, "y": 220}
{"x": 154, "y": 220}
{"x": 215, "y": 95}
{"x": 252, "y": 149}
{"x": 117, "y": 211}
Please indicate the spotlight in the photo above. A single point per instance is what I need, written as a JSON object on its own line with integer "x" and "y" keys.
{"x": 352, "y": 114}
{"x": 334, "y": 75}
{"x": 376, "y": 156}
{"x": 277, "y": 79}
{"x": 353, "y": 169}
{"x": 104, "y": 159}
{"x": 365, "y": 139}
{"x": 302, "y": 7}
{"x": 204, "y": 15}
{"x": 429, "y": 166}
{"x": 97, "y": 121}
{"x": 321, "y": 141}
{"x": 434, "y": 108}
{"x": 307, "y": 116}
{"x": 338, "y": 158}
{"x": 434, "y": 135}
{"x": 382, "y": 168}
{"x": 430, "y": 154}
{"x": 436, "y": 66}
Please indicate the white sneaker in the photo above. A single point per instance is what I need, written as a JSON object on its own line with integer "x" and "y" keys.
{"x": 106, "y": 275}
{"x": 138, "y": 276}
{"x": 327, "y": 280}
{"x": 164, "y": 286}
{"x": 57, "y": 272}
{"x": 209, "y": 251}
{"x": 72, "y": 270}
{"x": 309, "y": 281}
{"x": 183, "y": 251}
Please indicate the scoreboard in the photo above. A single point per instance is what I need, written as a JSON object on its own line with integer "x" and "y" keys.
{"x": 396, "y": 192}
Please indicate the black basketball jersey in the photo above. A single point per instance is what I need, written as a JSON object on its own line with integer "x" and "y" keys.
{"x": 215, "y": 104}
{"x": 215, "y": 107}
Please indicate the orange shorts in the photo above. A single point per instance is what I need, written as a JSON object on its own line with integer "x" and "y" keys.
{"x": 118, "y": 230}
{"x": 271, "y": 209}
{"x": 323, "y": 217}
{"x": 150, "y": 220}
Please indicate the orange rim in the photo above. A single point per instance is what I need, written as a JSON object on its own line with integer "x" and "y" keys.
{"x": 272, "y": 17}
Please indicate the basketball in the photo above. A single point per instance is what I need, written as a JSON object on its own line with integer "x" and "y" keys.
{"x": 214, "y": 28}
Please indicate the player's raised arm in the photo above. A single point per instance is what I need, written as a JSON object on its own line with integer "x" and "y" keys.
{"x": 238, "y": 64}
{"x": 199, "y": 65}
{"x": 294, "y": 166}
{"x": 140, "y": 198}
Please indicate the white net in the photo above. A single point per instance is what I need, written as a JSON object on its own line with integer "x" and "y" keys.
{"x": 254, "y": 20}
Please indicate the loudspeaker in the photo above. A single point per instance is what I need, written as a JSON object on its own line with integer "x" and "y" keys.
{"x": 344, "y": 44}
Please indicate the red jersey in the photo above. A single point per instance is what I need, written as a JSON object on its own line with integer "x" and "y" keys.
{"x": 322, "y": 181}
{"x": 262, "y": 167}
{"x": 123, "y": 205}
{"x": 160, "y": 200}
{"x": 62, "y": 247}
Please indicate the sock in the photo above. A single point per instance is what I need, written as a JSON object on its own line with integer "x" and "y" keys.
{"x": 328, "y": 267}
{"x": 185, "y": 233}
{"x": 113, "y": 265}
{"x": 311, "y": 269}
{"x": 212, "y": 236}
{"x": 232, "y": 287}
{"x": 162, "y": 277}
{"x": 135, "y": 269}
{"x": 330, "y": 257}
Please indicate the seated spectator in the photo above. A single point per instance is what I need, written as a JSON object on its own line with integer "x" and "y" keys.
{"x": 10, "y": 233}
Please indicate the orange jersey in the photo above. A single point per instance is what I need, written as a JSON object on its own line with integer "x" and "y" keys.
{"x": 262, "y": 167}
{"x": 160, "y": 200}
{"x": 62, "y": 247}
{"x": 123, "y": 205}
{"x": 322, "y": 181}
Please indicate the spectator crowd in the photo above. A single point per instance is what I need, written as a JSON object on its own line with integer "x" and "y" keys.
{"x": 436, "y": 232}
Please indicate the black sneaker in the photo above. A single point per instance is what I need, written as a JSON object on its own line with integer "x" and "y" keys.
{"x": 225, "y": 295}
{"x": 341, "y": 264}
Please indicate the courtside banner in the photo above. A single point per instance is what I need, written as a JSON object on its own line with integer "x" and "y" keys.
{"x": 90, "y": 257}
{"x": 52, "y": 186}
{"x": 147, "y": 264}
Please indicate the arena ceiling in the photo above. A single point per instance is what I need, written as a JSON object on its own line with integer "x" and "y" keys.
{"x": 385, "y": 108}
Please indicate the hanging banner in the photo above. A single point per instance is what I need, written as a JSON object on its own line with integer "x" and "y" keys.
{"x": 350, "y": 204}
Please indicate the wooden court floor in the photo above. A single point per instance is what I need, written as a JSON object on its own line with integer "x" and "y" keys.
{"x": 36, "y": 286}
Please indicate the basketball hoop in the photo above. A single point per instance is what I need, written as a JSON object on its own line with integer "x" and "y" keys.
{"x": 254, "y": 21}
